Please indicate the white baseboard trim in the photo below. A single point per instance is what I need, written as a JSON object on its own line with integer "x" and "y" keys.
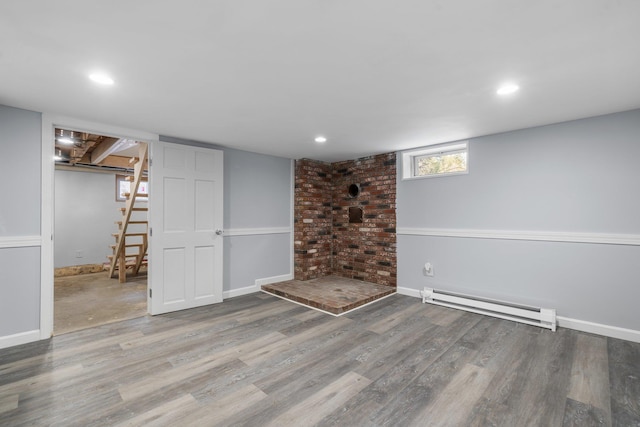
{"x": 240, "y": 291}
{"x": 567, "y": 322}
{"x": 21, "y": 338}
{"x": 256, "y": 288}
{"x": 274, "y": 279}
{"x": 408, "y": 292}
{"x": 599, "y": 329}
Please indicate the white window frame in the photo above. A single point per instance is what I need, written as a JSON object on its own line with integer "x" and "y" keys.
{"x": 410, "y": 158}
{"x": 121, "y": 181}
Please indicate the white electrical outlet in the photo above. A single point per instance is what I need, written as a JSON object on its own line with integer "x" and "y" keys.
{"x": 428, "y": 269}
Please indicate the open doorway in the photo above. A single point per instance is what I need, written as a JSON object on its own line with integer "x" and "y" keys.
{"x": 100, "y": 224}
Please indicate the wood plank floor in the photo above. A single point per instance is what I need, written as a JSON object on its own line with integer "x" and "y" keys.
{"x": 258, "y": 360}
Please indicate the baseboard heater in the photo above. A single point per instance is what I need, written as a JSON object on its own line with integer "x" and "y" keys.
{"x": 543, "y": 317}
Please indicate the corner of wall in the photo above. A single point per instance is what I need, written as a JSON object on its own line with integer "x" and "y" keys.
{"x": 21, "y": 338}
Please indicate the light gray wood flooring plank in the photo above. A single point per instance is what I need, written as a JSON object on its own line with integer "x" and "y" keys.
{"x": 293, "y": 376}
{"x": 418, "y": 364}
{"x": 8, "y": 402}
{"x": 223, "y": 322}
{"x": 397, "y": 318}
{"x": 220, "y": 410}
{"x": 11, "y": 372}
{"x": 578, "y": 414}
{"x": 442, "y": 316}
{"x": 376, "y": 400}
{"x": 454, "y": 403}
{"x": 165, "y": 414}
{"x": 590, "y": 374}
{"x": 289, "y": 340}
{"x": 313, "y": 409}
{"x": 532, "y": 388}
{"x": 624, "y": 377}
{"x": 466, "y": 346}
{"x": 186, "y": 371}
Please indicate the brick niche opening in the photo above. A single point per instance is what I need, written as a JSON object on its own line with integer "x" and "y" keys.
{"x": 325, "y": 241}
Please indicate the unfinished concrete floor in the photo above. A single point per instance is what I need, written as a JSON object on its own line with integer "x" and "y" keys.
{"x": 333, "y": 294}
{"x": 89, "y": 300}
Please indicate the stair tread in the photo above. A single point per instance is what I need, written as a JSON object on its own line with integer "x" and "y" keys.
{"x": 144, "y": 263}
{"x": 127, "y": 258}
{"x": 130, "y": 255}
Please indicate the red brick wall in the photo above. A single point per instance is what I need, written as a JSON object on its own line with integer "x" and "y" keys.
{"x": 312, "y": 220}
{"x": 325, "y": 242}
{"x": 365, "y": 251}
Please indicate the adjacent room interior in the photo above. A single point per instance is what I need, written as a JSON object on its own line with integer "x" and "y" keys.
{"x": 94, "y": 177}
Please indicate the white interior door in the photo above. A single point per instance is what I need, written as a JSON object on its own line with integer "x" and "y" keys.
{"x": 185, "y": 220}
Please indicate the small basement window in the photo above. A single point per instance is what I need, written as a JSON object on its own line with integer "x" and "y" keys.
{"x": 123, "y": 186}
{"x": 437, "y": 160}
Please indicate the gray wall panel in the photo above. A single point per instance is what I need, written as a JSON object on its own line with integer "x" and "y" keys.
{"x": 579, "y": 176}
{"x": 574, "y": 176}
{"x": 19, "y": 290}
{"x": 248, "y": 258}
{"x": 258, "y": 190}
{"x": 20, "y": 164}
{"x": 597, "y": 283}
{"x": 20, "y": 171}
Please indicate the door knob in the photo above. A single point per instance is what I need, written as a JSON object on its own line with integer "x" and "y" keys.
{"x": 219, "y": 232}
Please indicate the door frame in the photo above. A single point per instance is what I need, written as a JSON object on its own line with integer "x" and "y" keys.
{"x": 49, "y": 123}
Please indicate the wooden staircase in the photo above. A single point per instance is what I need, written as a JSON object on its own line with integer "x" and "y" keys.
{"x": 130, "y": 249}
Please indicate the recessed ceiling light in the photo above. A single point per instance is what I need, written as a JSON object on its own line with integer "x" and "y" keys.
{"x": 67, "y": 141}
{"x": 508, "y": 89}
{"x": 320, "y": 139}
{"x": 102, "y": 79}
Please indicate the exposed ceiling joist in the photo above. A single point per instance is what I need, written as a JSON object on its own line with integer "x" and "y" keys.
{"x": 106, "y": 149}
{"x": 112, "y": 161}
{"x": 78, "y": 152}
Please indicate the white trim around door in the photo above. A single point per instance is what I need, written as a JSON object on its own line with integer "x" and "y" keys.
{"x": 49, "y": 123}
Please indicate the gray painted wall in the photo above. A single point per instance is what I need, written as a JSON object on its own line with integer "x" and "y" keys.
{"x": 85, "y": 215}
{"x": 248, "y": 258}
{"x": 579, "y": 176}
{"x": 19, "y": 290}
{"x": 257, "y": 190}
{"x": 257, "y": 194}
{"x": 20, "y": 165}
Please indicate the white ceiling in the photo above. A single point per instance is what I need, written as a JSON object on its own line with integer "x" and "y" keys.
{"x": 371, "y": 75}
